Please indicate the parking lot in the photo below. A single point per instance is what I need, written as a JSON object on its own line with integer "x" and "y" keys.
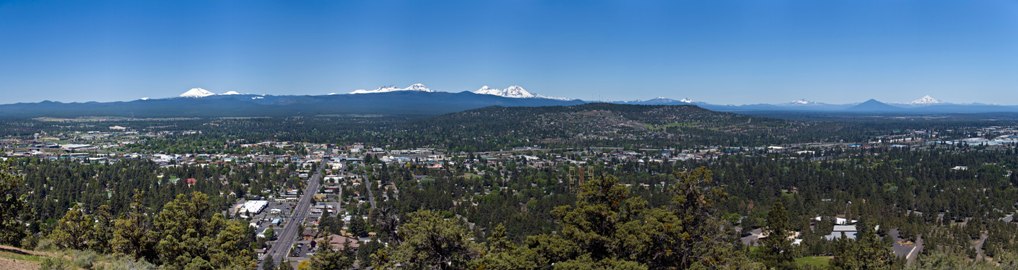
{"x": 273, "y": 216}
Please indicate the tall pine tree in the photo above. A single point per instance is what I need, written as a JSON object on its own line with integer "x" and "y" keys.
{"x": 777, "y": 248}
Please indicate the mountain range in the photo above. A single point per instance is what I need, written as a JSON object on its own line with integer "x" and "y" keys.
{"x": 200, "y": 104}
{"x": 924, "y": 105}
{"x": 418, "y": 99}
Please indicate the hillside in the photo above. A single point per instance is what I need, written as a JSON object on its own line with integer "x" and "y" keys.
{"x": 599, "y": 124}
{"x": 389, "y": 103}
{"x": 22, "y": 259}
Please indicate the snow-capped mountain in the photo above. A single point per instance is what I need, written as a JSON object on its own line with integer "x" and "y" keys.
{"x": 802, "y": 102}
{"x": 413, "y": 87}
{"x": 513, "y": 91}
{"x": 197, "y": 93}
{"x": 925, "y": 100}
{"x": 658, "y": 101}
{"x": 230, "y": 93}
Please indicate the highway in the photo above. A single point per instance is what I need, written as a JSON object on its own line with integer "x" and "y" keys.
{"x": 281, "y": 248}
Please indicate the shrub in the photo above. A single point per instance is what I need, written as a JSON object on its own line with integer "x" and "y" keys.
{"x": 84, "y": 259}
{"x": 53, "y": 264}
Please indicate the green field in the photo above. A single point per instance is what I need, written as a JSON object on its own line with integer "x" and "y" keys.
{"x": 814, "y": 261}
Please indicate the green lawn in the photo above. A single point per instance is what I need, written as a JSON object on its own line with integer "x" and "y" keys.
{"x": 815, "y": 261}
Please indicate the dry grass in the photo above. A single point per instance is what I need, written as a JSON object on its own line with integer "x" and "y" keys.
{"x": 16, "y": 258}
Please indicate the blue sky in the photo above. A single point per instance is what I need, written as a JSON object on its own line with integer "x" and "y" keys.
{"x": 731, "y": 52}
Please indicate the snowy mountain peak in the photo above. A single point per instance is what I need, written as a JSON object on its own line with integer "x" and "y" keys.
{"x": 385, "y": 89}
{"x": 417, "y": 87}
{"x": 802, "y": 101}
{"x": 231, "y": 93}
{"x": 925, "y": 100}
{"x": 513, "y": 91}
{"x": 197, "y": 93}
{"x": 686, "y": 100}
{"x": 658, "y": 100}
{"x": 517, "y": 91}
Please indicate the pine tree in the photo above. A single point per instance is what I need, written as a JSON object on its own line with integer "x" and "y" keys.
{"x": 191, "y": 234}
{"x": 499, "y": 241}
{"x": 777, "y": 248}
{"x": 12, "y": 208}
{"x": 608, "y": 228}
{"x": 430, "y": 241}
{"x": 131, "y": 232}
{"x": 232, "y": 245}
{"x": 326, "y": 258}
{"x": 72, "y": 230}
{"x": 867, "y": 251}
{"x": 268, "y": 264}
{"x": 702, "y": 240}
{"x": 102, "y": 230}
{"x": 358, "y": 226}
{"x": 504, "y": 254}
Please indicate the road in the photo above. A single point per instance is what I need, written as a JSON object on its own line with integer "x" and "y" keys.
{"x": 371, "y": 195}
{"x": 281, "y": 248}
{"x": 915, "y": 252}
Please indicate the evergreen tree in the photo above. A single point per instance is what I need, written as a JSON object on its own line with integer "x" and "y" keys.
{"x": 430, "y": 241}
{"x": 268, "y": 264}
{"x": 73, "y": 230}
{"x": 358, "y": 226}
{"x": 330, "y": 224}
{"x": 867, "y": 251}
{"x": 327, "y": 259}
{"x": 703, "y": 240}
{"x": 12, "y": 208}
{"x": 608, "y": 228}
{"x": 131, "y": 231}
{"x": 499, "y": 241}
{"x": 101, "y": 233}
{"x": 503, "y": 254}
{"x": 777, "y": 248}
{"x": 232, "y": 245}
{"x": 192, "y": 235}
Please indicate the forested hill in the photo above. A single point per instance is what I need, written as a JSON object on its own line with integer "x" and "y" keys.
{"x": 599, "y": 124}
{"x": 485, "y": 129}
{"x": 391, "y": 103}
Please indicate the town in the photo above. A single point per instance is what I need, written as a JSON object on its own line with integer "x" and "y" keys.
{"x": 334, "y": 192}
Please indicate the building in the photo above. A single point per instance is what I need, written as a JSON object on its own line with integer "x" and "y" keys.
{"x": 842, "y": 231}
{"x": 76, "y": 147}
{"x": 252, "y": 207}
{"x": 340, "y": 243}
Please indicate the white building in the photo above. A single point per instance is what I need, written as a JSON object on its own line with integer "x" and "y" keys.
{"x": 840, "y": 231}
{"x": 252, "y": 207}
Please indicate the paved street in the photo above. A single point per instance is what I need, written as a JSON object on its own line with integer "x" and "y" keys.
{"x": 369, "y": 184}
{"x": 289, "y": 235}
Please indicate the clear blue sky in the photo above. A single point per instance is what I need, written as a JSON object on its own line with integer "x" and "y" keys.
{"x": 730, "y": 52}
